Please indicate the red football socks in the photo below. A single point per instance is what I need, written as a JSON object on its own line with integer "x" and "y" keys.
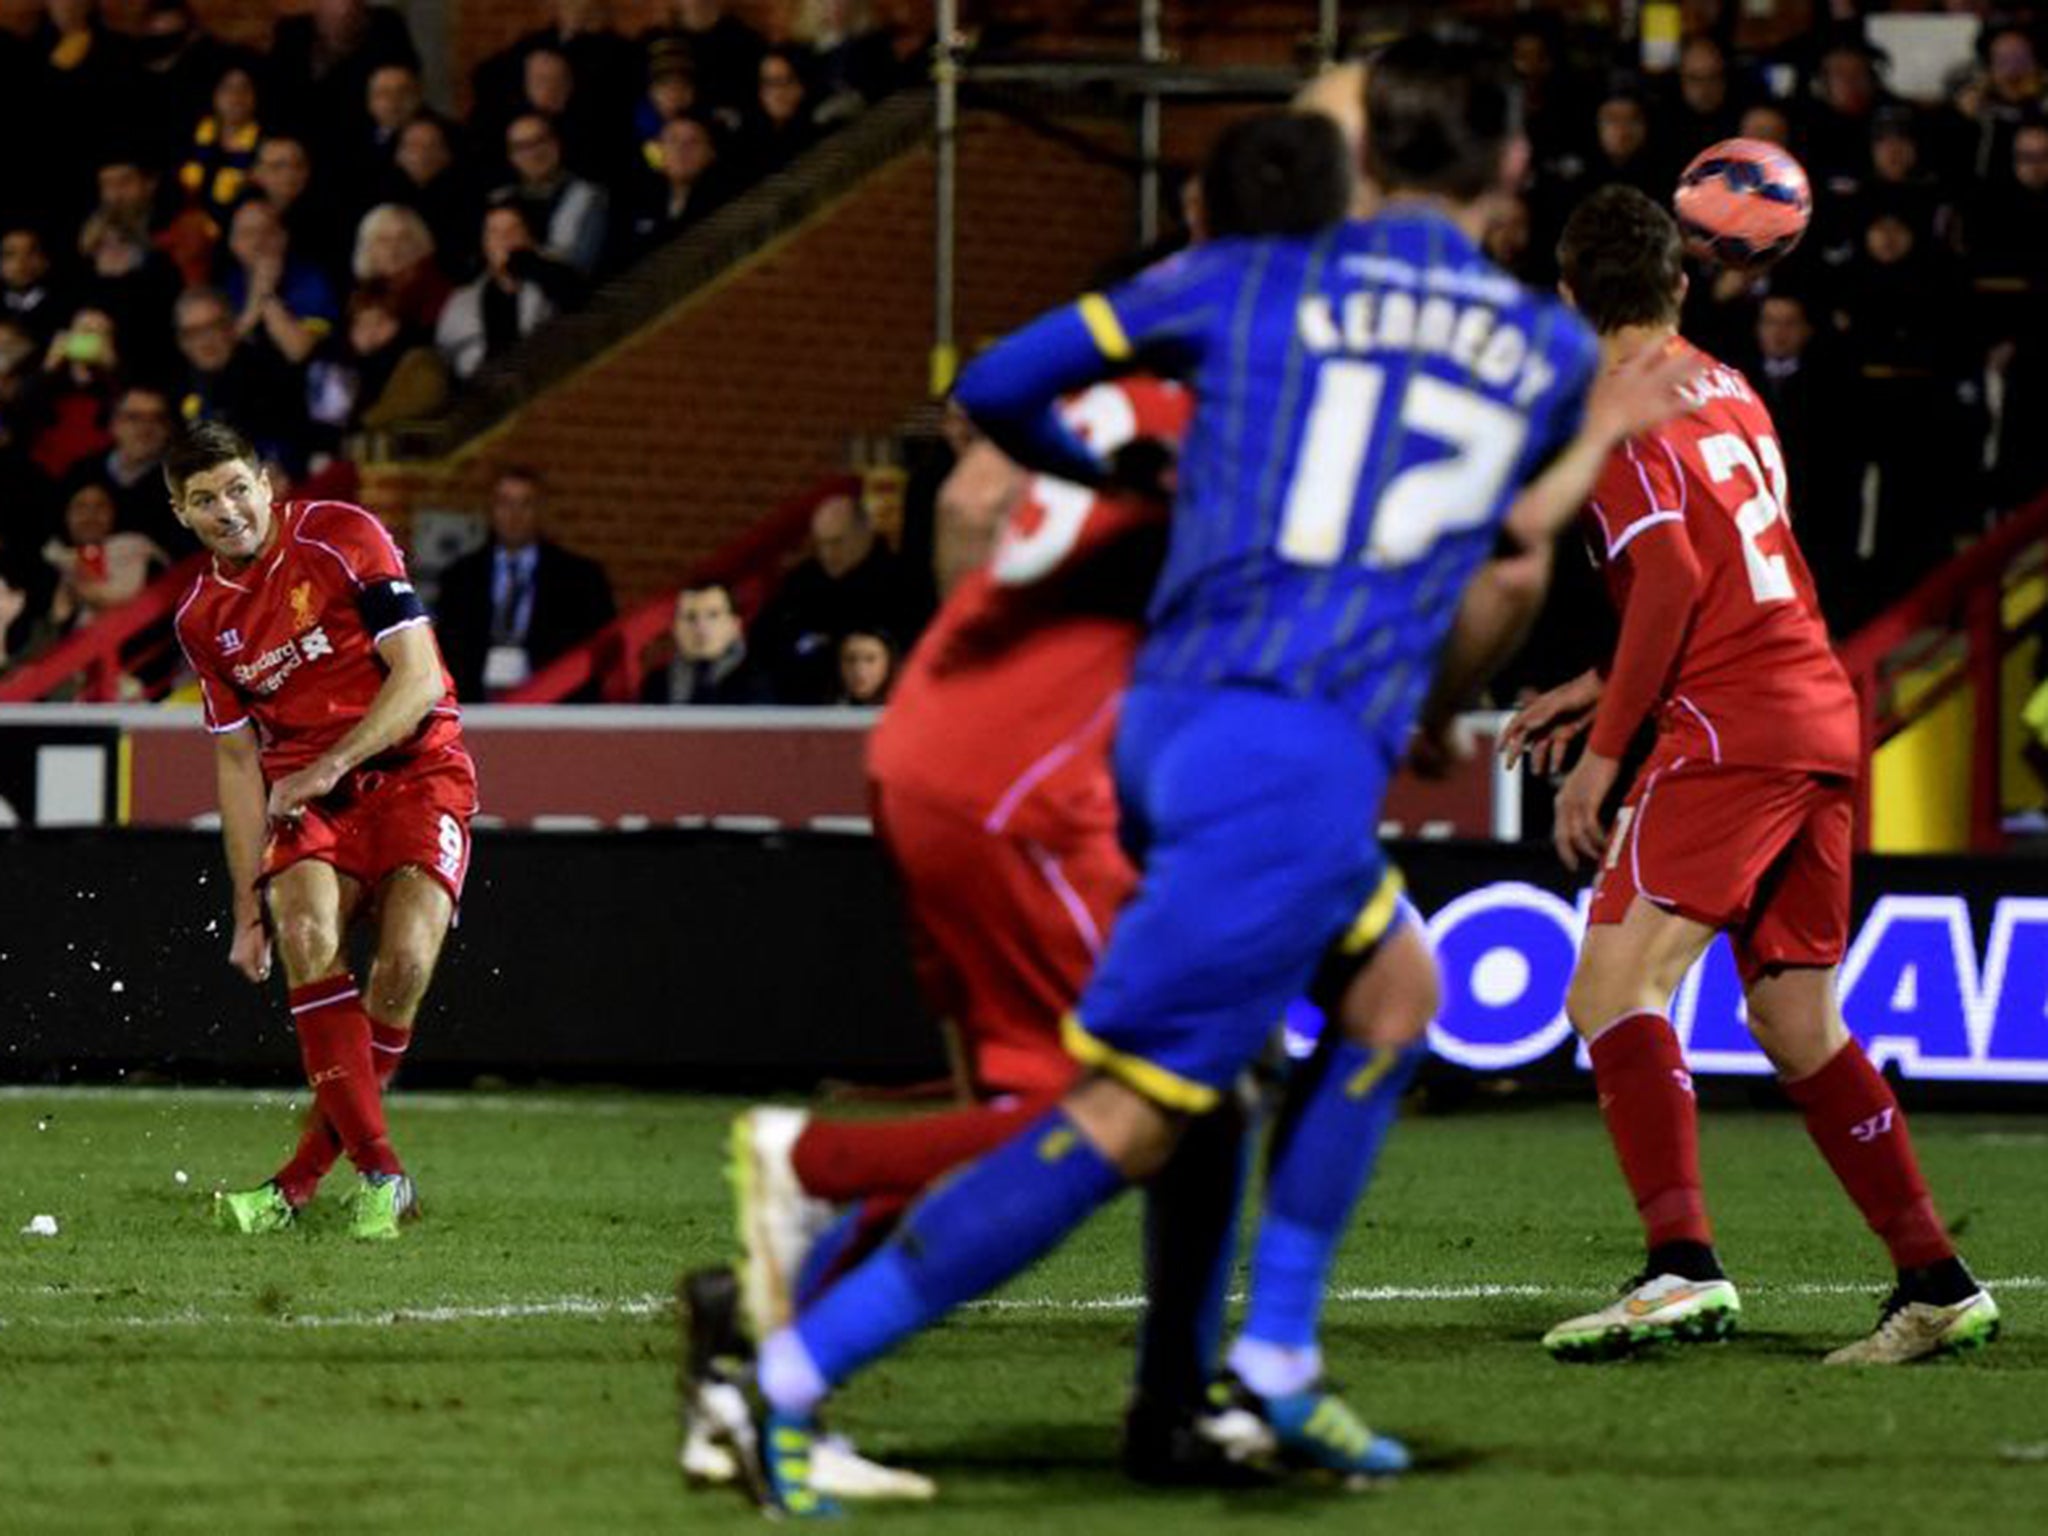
{"x": 334, "y": 1043}
{"x": 319, "y": 1147}
{"x": 387, "y": 1049}
{"x": 1646, "y": 1098}
{"x": 1855, "y": 1120}
{"x": 843, "y": 1161}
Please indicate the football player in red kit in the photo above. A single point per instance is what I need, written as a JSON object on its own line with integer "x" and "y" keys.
{"x": 345, "y": 791}
{"x": 1741, "y": 822}
{"x": 990, "y": 780}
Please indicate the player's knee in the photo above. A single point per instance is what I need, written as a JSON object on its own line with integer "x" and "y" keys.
{"x": 1135, "y": 1133}
{"x": 1796, "y": 1056}
{"x": 1593, "y": 1001}
{"x": 308, "y": 941}
{"x": 1399, "y": 1028}
{"x": 1392, "y": 1000}
{"x": 398, "y": 979}
{"x": 1798, "y": 1040}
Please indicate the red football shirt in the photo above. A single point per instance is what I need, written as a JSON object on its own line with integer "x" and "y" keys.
{"x": 1007, "y": 704}
{"x": 1753, "y": 679}
{"x": 283, "y": 643}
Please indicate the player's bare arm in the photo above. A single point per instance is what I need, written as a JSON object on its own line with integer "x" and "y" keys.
{"x": 1654, "y": 622}
{"x": 1627, "y": 400}
{"x": 411, "y": 688}
{"x": 1545, "y": 728}
{"x": 1494, "y": 617}
{"x": 1579, "y": 832}
{"x": 238, "y": 773}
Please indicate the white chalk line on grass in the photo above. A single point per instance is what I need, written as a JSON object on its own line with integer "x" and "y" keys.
{"x": 1480, "y": 1292}
{"x": 602, "y": 1307}
{"x": 495, "y": 1312}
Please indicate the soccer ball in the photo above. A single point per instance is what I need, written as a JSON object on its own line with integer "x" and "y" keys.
{"x": 1743, "y": 203}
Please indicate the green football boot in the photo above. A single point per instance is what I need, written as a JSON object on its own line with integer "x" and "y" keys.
{"x": 1654, "y": 1309}
{"x": 1915, "y": 1329}
{"x": 1317, "y": 1431}
{"x": 253, "y": 1211}
{"x": 773, "y": 1453}
{"x": 380, "y": 1203}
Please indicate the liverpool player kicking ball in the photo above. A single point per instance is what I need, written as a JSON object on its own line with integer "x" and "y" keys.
{"x": 1739, "y": 823}
{"x": 344, "y": 792}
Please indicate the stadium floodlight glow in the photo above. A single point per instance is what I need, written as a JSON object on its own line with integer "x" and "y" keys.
{"x": 1913, "y": 988}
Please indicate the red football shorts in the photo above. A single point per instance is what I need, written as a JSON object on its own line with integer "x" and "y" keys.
{"x": 1005, "y": 931}
{"x": 382, "y": 819}
{"x": 1761, "y": 853}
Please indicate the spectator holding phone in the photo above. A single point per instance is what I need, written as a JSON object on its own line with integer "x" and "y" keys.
{"x": 98, "y": 566}
{"x": 70, "y": 400}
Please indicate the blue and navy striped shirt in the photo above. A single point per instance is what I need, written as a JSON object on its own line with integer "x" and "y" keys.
{"x": 1369, "y": 400}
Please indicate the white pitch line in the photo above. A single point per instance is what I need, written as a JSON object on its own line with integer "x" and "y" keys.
{"x": 1490, "y": 1291}
{"x": 1133, "y": 1301}
{"x": 650, "y": 1305}
{"x": 508, "y": 1311}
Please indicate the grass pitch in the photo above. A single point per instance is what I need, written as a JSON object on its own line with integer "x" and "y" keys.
{"x": 508, "y": 1366}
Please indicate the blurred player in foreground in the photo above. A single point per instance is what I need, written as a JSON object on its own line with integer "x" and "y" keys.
{"x": 994, "y": 797}
{"x": 345, "y": 792}
{"x": 1311, "y": 583}
{"x": 1741, "y": 822}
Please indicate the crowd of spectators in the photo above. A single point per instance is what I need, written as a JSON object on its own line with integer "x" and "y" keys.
{"x": 298, "y": 240}
{"x": 1903, "y": 349}
{"x": 833, "y": 633}
{"x": 312, "y": 249}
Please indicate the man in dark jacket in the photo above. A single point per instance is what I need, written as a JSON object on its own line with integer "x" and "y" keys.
{"x": 852, "y": 580}
{"x": 320, "y": 68}
{"x": 711, "y": 664}
{"x": 513, "y": 606}
{"x": 1799, "y": 372}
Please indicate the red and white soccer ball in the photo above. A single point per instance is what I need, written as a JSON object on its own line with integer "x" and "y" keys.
{"x": 1743, "y": 203}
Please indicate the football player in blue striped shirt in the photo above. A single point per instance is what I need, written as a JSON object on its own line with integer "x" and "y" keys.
{"x": 1372, "y": 397}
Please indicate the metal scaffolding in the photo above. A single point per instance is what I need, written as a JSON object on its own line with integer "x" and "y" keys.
{"x": 1150, "y": 78}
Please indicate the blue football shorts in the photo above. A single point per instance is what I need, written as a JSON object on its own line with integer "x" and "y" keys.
{"x": 1254, "y": 818}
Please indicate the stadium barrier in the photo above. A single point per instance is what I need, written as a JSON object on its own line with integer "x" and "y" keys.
{"x": 735, "y": 769}
{"x": 1952, "y": 636}
{"x": 610, "y": 662}
{"x": 99, "y": 661}
{"x": 712, "y": 959}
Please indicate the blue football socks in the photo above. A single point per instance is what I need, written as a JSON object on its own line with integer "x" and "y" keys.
{"x": 1328, "y": 1140}
{"x": 976, "y": 1230}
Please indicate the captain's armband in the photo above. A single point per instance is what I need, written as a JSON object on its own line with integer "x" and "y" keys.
{"x": 389, "y": 605}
